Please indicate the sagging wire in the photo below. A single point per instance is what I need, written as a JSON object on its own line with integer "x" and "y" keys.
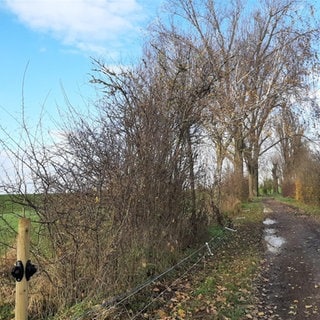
{"x": 167, "y": 289}
{"x": 210, "y": 253}
{"x": 115, "y": 302}
{"x": 149, "y": 282}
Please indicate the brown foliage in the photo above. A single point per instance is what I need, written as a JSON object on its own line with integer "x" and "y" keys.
{"x": 120, "y": 192}
{"x": 117, "y": 200}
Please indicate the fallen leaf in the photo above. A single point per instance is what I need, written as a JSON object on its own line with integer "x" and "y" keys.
{"x": 221, "y": 299}
{"x": 221, "y": 288}
{"x": 181, "y": 313}
{"x": 162, "y": 314}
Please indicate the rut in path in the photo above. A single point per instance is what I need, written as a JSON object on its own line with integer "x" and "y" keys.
{"x": 289, "y": 286}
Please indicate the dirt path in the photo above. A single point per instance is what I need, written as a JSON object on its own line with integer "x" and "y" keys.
{"x": 289, "y": 286}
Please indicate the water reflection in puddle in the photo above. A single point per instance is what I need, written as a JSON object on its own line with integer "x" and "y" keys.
{"x": 274, "y": 243}
{"x": 269, "y": 221}
{"x": 270, "y": 231}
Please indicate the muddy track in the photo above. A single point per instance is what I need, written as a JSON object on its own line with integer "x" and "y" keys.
{"x": 289, "y": 285}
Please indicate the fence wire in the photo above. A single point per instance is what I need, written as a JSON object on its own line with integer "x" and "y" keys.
{"x": 207, "y": 250}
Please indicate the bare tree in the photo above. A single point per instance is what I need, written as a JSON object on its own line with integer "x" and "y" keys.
{"x": 119, "y": 193}
{"x": 291, "y": 144}
{"x": 265, "y": 57}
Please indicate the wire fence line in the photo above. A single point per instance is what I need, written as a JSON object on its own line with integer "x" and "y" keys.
{"x": 167, "y": 288}
{"x": 206, "y": 249}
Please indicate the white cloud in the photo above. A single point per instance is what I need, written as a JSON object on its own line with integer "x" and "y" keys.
{"x": 88, "y": 25}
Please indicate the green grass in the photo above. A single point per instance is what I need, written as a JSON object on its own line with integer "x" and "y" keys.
{"x": 237, "y": 264}
{"x": 309, "y": 209}
{"x": 208, "y": 287}
{"x": 10, "y": 213}
{"x": 6, "y": 311}
{"x": 216, "y": 231}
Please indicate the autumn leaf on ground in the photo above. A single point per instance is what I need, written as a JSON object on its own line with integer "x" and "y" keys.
{"x": 181, "y": 313}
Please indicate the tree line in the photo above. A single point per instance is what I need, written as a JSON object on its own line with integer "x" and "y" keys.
{"x": 126, "y": 188}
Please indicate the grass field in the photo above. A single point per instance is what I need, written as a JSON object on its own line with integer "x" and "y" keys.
{"x": 10, "y": 213}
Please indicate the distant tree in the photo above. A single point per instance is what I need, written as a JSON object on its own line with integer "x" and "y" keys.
{"x": 120, "y": 191}
{"x": 307, "y": 179}
{"x": 291, "y": 145}
{"x": 264, "y": 58}
{"x": 267, "y": 187}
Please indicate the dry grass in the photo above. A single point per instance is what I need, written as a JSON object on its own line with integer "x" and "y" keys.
{"x": 7, "y": 285}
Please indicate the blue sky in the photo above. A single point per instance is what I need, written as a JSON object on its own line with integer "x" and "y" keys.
{"x": 53, "y": 40}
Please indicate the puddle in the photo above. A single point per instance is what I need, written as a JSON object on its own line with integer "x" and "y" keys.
{"x": 274, "y": 243}
{"x": 269, "y": 221}
{"x": 270, "y": 231}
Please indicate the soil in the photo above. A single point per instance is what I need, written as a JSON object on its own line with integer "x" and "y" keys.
{"x": 289, "y": 284}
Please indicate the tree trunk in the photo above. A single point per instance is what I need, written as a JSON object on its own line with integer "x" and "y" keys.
{"x": 253, "y": 173}
{"x": 216, "y": 202}
{"x": 191, "y": 175}
{"x": 275, "y": 183}
{"x": 238, "y": 170}
{"x": 218, "y": 177}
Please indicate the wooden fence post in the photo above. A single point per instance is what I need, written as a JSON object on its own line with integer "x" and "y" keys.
{"x": 23, "y": 243}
